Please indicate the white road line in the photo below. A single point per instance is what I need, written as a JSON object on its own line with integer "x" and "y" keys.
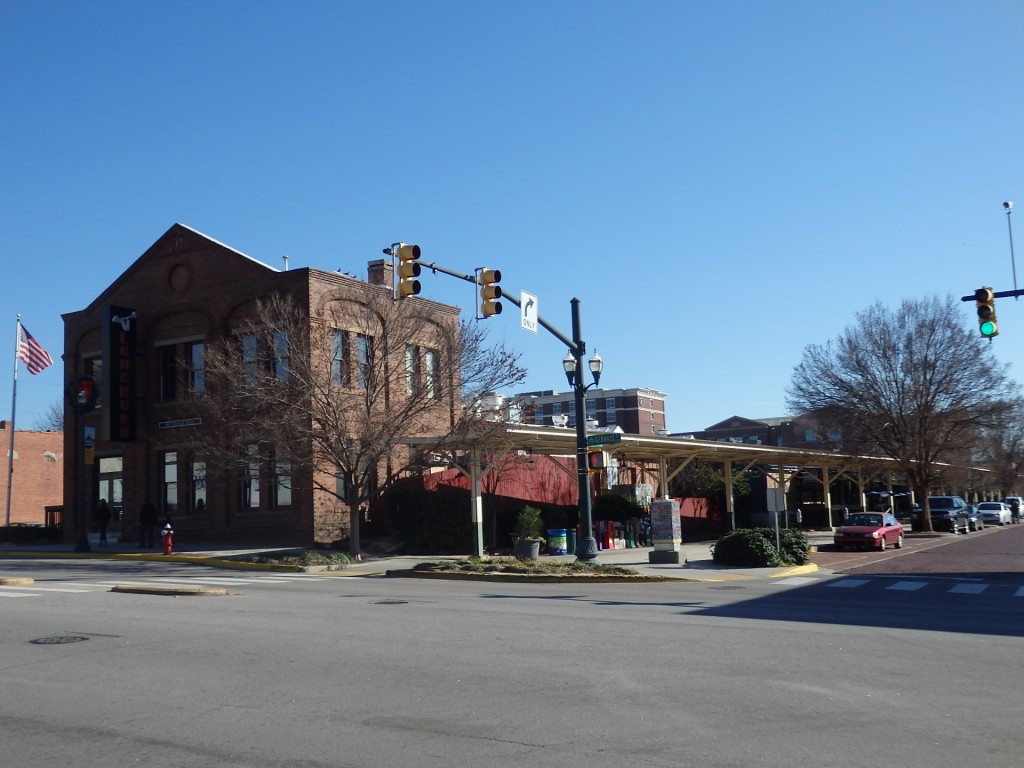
{"x": 37, "y": 588}
{"x": 797, "y": 580}
{"x": 1019, "y": 592}
{"x": 908, "y": 586}
{"x": 250, "y": 580}
{"x": 19, "y": 594}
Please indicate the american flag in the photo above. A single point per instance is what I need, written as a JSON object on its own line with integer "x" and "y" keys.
{"x": 31, "y": 353}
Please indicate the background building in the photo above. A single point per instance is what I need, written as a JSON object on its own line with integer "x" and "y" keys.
{"x": 789, "y": 431}
{"x": 37, "y": 474}
{"x": 638, "y": 411}
{"x": 145, "y": 338}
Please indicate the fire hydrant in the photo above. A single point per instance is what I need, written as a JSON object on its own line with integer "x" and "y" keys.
{"x": 168, "y": 534}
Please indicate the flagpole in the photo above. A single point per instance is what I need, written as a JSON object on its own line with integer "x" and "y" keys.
{"x": 14, "y": 403}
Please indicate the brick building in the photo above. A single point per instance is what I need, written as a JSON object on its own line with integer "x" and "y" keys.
{"x": 638, "y": 411}
{"x": 788, "y": 431}
{"x": 145, "y": 338}
{"x": 38, "y": 469}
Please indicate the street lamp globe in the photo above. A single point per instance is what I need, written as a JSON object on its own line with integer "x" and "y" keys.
{"x": 596, "y": 366}
{"x": 569, "y": 366}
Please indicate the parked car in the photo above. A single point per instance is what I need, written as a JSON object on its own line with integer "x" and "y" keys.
{"x": 994, "y": 512}
{"x": 949, "y": 513}
{"x": 975, "y": 520}
{"x": 869, "y": 530}
{"x": 1014, "y": 501}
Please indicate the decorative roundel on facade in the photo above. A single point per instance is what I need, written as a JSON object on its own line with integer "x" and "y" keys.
{"x": 180, "y": 277}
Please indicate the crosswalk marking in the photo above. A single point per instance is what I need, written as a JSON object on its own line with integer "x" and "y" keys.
{"x": 849, "y": 583}
{"x": 969, "y": 589}
{"x": 908, "y": 586}
{"x": 78, "y": 587}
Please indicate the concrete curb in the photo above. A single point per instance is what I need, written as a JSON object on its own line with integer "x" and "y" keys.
{"x": 796, "y": 570}
{"x": 16, "y": 581}
{"x": 217, "y": 562}
{"x": 171, "y": 591}
{"x": 412, "y": 573}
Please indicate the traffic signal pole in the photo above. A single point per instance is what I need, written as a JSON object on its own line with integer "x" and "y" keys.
{"x": 571, "y": 344}
{"x": 586, "y": 545}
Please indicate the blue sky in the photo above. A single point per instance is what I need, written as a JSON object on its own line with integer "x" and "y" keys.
{"x": 719, "y": 183}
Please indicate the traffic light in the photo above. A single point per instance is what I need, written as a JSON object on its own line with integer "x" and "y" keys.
{"x": 490, "y": 291}
{"x": 82, "y": 393}
{"x": 597, "y": 460}
{"x": 408, "y": 270}
{"x": 986, "y": 302}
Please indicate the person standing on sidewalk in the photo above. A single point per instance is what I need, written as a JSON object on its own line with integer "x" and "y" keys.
{"x": 147, "y": 522}
{"x": 101, "y": 519}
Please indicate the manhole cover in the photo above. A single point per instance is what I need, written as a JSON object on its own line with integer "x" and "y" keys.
{"x": 390, "y": 602}
{"x": 58, "y": 639}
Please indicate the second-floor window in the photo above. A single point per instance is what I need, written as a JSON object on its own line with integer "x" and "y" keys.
{"x": 411, "y": 370}
{"x": 266, "y": 356}
{"x": 251, "y": 357}
{"x": 279, "y": 361}
{"x": 196, "y": 366}
{"x": 364, "y": 359}
{"x": 168, "y": 374}
{"x": 430, "y": 367}
{"x": 339, "y": 359}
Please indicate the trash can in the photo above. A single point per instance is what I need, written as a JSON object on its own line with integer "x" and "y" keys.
{"x": 557, "y": 541}
{"x": 571, "y": 541}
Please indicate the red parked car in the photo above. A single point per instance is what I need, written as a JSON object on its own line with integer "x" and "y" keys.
{"x": 869, "y": 530}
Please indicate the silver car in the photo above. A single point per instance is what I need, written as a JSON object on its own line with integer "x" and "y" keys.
{"x": 994, "y": 512}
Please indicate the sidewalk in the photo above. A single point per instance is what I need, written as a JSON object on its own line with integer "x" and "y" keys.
{"x": 695, "y": 562}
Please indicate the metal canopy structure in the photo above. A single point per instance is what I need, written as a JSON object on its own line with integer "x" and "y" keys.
{"x": 780, "y": 462}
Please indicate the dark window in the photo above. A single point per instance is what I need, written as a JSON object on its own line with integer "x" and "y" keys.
{"x": 169, "y": 492}
{"x": 168, "y": 374}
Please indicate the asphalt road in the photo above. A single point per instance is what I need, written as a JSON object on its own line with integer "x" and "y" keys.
{"x": 994, "y": 552}
{"x": 327, "y": 671}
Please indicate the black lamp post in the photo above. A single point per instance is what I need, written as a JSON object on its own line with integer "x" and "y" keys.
{"x": 81, "y": 394}
{"x": 586, "y": 546}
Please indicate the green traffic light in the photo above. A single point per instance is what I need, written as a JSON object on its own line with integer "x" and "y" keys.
{"x": 988, "y": 329}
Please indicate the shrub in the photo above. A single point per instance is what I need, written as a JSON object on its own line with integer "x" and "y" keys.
{"x": 529, "y": 524}
{"x": 793, "y": 546}
{"x": 755, "y": 548}
{"x": 746, "y": 547}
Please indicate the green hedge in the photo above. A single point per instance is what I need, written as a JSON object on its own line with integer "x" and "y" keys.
{"x": 27, "y": 534}
{"x": 430, "y": 522}
{"x": 755, "y": 548}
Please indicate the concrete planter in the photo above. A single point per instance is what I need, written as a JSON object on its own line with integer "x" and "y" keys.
{"x": 526, "y": 549}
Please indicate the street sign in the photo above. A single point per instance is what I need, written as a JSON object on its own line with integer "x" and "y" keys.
{"x": 606, "y": 439}
{"x": 528, "y": 311}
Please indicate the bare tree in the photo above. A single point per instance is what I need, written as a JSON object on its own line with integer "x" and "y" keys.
{"x": 52, "y": 419}
{"x": 1001, "y": 448}
{"x": 333, "y": 391}
{"x": 911, "y": 384}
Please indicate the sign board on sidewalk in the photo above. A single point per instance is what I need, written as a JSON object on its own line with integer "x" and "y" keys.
{"x": 528, "y": 311}
{"x": 605, "y": 439}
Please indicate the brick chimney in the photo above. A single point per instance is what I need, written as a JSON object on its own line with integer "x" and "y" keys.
{"x": 380, "y": 272}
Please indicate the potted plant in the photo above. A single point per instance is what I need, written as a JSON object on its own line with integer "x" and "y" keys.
{"x": 526, "y": 537}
